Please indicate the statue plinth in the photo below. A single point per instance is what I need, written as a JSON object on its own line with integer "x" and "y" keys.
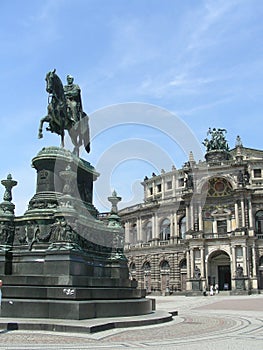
{"x": 63, "y": 262}
{"x": 217, "y": 156}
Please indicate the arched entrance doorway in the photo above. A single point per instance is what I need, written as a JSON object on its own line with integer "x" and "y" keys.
{"x": 183, "y": 274}
{"x": 219, "y": 270}
{"x": 165, "y": 277}
{"x": 132, "y": 271}
{"x": 147, "y": 277}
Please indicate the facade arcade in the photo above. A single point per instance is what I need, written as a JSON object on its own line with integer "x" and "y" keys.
{"x": 201, "y": 225}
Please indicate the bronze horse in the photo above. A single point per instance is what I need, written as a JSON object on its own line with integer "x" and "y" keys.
{"x": 59, "y": 119}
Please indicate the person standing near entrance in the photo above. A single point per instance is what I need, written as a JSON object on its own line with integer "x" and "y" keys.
{"x": 204, "y": 291}
{"x": 211, "y": 290}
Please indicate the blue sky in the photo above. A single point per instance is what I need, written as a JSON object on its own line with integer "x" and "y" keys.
{"x": 199, "y": 61}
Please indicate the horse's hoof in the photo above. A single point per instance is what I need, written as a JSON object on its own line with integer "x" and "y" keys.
{"x": 40, "y": 135}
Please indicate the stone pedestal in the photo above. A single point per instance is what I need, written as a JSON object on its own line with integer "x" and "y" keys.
{"x": 196, "y": 285}
{"x": 63, "y": 262}
{"x": 216, "y": 156}
{"x": 240, "y": 284}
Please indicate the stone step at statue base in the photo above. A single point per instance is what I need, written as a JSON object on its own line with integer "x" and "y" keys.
{"x": 75, "y": 310}
{"x": 70, "y": 293}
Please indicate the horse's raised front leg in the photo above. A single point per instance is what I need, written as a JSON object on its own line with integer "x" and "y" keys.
{"x": 42, "y": 121}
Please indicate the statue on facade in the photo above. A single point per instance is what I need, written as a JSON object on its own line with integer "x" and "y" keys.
{"x": 197, "y": 272}
{"x": 240, "y": 178}
{"x": 239, "y": 272}
{"x": 239, "y": 141}
{"x": 217, "y": 141}
{"x": 65, "y": 112}
{"x": 189, "y": 182}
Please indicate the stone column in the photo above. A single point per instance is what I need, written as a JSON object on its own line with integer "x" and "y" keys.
{"x": 139, "y": 229}
{"x": 229, "y": 224}
{"x": 243, "y": 213}
{"x": 236, "y": 215}
{"x": 245, "y": 266}
{"x": 191, "y": 216}
{"x": 176, "y": 231}
{"x": 254, "y": 259}
{"x": 202, "y": 262}
{"x": 154, "y": 189}
{"x": 171, "y": 228}
{"x": 188, "y": 262}
{"x": 250, "y": 214}
{"x": 174, "y": 185}
{"x": 214, "y": 226}
{"x": 157, "y": 230}
{"x": 154, "y": 232}
{"x": 192, "y": 262}
{"x": 163, "y": 188}
{"x": 127, "y": 232}
{"x": 233, "y": 262}
{"x": 200, "y": 218}
{"x": 186, "y": 217}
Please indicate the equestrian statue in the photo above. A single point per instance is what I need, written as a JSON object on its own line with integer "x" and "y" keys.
{"x": 64, "y": 112}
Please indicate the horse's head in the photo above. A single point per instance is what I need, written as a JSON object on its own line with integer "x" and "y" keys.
{"x": 54, "y": 85}
{"x": 51, "y": 79}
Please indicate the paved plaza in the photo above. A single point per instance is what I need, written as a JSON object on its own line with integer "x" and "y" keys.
{"x": 212, "y": 322}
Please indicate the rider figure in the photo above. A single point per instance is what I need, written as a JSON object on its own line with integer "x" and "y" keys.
{"x": 72, "y": 94}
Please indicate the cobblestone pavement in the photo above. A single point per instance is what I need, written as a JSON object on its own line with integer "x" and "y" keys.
{"x": 218, "y": 322}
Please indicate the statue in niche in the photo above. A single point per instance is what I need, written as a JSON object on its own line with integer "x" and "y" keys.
{"x": 197, "y": 273}
{"x": 239, "y": 272}
{"x": 246, "y": 176}
{"x": 240, "y": 178}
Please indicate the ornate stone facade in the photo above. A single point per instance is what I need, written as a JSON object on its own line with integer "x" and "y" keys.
{"x": 200, "y": 225}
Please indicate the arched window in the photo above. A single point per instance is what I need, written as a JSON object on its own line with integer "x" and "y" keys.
{"x": 132, "y": 271}
{"x": 148, "y": 232}
{"x": 164, "y": 266}
{"x": 134, "y": 234}
{"x": 182, "y": 227}
{"x": 146, "y": 267}
{"x": 165, "y": 230}
{"x": 132, "y": 266}
{"x": 183, "y": 264}
{"x": 259, "y": 222}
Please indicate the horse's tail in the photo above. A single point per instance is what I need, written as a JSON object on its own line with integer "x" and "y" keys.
{"x": 84, "y": 131}
{"x": 87, "y": 145}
